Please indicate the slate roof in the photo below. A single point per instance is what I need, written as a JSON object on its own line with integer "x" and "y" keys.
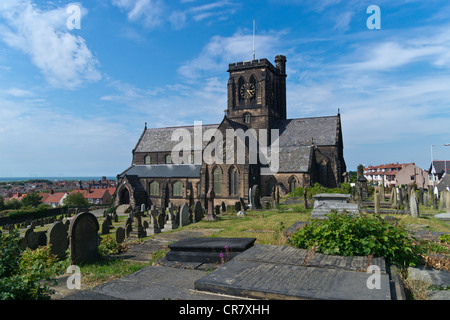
{"x": 295, "y": 159}
{"x": 159, "y": 139}
{"x": 163, "y": 171}
{"x": 300, "y": 132}
{"x": 295, "y": 137}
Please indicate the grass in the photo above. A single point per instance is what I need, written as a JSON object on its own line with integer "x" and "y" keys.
{"x": 267, "y": 227}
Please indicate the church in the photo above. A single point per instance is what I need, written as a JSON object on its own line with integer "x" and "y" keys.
{"x": 308, "y": 150}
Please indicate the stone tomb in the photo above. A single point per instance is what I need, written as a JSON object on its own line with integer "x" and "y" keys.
{"x": 325, "y": 203}
{"x": 281, "y": 272}
{"x": 207, "y": 250}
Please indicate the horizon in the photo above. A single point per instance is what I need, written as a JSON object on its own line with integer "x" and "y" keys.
{"x": 77, "y": 90}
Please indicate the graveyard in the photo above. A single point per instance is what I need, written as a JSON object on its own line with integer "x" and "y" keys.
{"x": 123, "y": 242}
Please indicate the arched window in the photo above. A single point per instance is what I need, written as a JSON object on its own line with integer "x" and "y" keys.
{"x": 154, "y": 188}
{"x": 217, "y": 178}
{"x": 292, "y": 184}
{"x": 247, "y": 118}
{"x": 177, "y": 189}
{"x": 233, "y": 179}
{"x": 147, "y": 160}
{"x": 168, "y": 159}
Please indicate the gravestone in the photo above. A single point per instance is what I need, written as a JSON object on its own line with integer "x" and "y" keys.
{"x": 210, "y": 216}
{"x": 105, "y": 226}
{"x": 256, "y": 197}
{"x": 120, "y": 235}
{"x": 171, "y": 215}
{"x": 223, "y": 207}
{"x": 243, "y": 206}
{"x": 217, "y": 210}
{"x": 421, "y": 196}
{"x": 237, "y": 206}
{"x": 198, "y": 211}
{"x": 58, "y": 239}
{"x": 425, "y": 199}
{"x": 184, "y": 215}
{"x": 153, "y": 227}
{"x": 376, "y": 201}
{"x": 128, "y": 230}
{"x": 83, "y": 238}
{"x": 36, "y": 239}
{"x": 414, "y": 206}
{"x": 161, "y": 220}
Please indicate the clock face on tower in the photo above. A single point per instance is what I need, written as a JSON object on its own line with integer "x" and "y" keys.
{"x": 248, "y": 91}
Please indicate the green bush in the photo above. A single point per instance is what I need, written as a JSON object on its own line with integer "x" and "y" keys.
{"x": 359, "y": 235}
{"x": 111, "y": 246}
{"x": 22, "y": 277}
{"x": 317, "y": 188}
{"x": 444, "y": 238}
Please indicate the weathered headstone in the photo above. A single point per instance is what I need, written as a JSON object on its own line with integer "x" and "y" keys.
{"x": 83, "y": 238}
{"x": 210, "y": 199}
{"x": 105, "y": 227}
{"x": 120, "y": 235}
{"x": 237, "y": 206}
{"x": 36, "y": 239}
{"x": 58, "y": 239}
{"x": 256, "y": 197}
{"x": 223, "y": 207}
{"x": 376, "y": 200}
{"x": 171, "y": 222}
{"x": 153, "y": 227}
{"x": 184, "y": 215}
{"x": 243, "y": 206}
{"x": 217, "y": 210}
{"x": 198, "y": 211}
{"x": 425, "y": 199}
{"x": 414, "y": 206}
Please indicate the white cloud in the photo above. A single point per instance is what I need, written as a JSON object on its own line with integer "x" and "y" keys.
{"x": 62, "y": 57}
{"x": 147, "y": 12}
{"x": 220, "y": 51}
{"x": 17, "y": 92}
{"x": 154, "y": 13}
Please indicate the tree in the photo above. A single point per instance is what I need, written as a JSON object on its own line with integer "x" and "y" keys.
{"x": 32, "y": 200}
{"x": 76, "y": 199}
{"x": 2, "y": 203}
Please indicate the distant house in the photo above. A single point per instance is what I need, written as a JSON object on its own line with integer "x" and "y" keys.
{"x": 95, "y": 196}
{"x": 444, "y": 184}
{"x": 55, "y": 199}
{"x": 384, "y": 174}
{"x": 412, "y": 174}
{"x": 439, "y": 168}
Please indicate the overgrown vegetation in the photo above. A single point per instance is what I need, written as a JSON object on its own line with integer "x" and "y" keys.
{"x": 25, "y": 275}
{"x": 360, "y": 235}
{"x": 317, "y": 188}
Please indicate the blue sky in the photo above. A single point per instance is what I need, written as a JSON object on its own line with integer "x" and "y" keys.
{"x": 74, "y": 102}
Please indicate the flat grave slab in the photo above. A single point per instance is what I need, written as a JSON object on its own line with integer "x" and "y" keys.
{"x": 207, "y": 250}
{"x": 278, "y": 272}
